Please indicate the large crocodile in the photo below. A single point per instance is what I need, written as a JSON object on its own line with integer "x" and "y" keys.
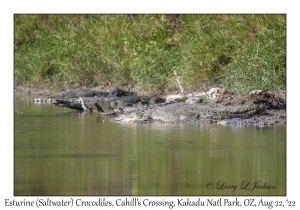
{"x": 176, "y": 113}
{"x": 74, "y": 94}
{"x": 71, "y": 94}
{"x": 103, "y": 104}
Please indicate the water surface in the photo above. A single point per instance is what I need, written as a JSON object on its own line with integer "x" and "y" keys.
{"x": 57, "y": 152}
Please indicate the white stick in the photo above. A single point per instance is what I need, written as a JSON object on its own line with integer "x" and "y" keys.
{"x": 82, "y": 104}
{"x": 179, "y": 83}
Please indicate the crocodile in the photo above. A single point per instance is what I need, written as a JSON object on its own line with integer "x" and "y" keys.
{"x": 195, "y": 114}
{"x": 75, "y": 94}
{"x": 103, "y": 104}
{"x": 70, "y": 94}
{"x": 79, "y": 93}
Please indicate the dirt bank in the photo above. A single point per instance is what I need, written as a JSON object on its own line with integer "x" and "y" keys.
{"x": 274, "y": 101}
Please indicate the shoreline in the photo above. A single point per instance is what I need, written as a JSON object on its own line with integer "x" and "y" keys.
{"x": 218, "y": 98}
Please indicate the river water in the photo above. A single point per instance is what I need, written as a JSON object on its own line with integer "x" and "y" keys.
{"x": 57, "y": 152}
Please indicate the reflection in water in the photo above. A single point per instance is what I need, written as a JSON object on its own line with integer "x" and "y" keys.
{"x": 57, "y": 152}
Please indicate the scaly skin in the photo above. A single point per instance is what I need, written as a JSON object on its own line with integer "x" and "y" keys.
{"x": 79, "y": 93}
{"x": 110, "y": 106}
{"x": 188, "y": 114}
{"x": 72, "y": 95}
{"x": 104, "y": 105}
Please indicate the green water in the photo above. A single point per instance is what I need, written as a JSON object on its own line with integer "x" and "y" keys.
{"x": 59, "y": 153}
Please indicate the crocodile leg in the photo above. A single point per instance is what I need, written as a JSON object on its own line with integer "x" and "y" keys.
{"x": 99, "y": 108}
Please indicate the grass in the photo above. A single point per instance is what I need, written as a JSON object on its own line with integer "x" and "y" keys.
{"x": 237, "y": 52}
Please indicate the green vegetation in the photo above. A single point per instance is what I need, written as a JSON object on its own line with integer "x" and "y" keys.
{"x": 236, "y": 52}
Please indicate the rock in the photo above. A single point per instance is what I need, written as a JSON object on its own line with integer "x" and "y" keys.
{"x": 217, "y": 93}
{"x": 194, "y": 100}
{"x": 197, "y": 94}
{"x": 177, "y": 98}
{"x": 255, "y": 92}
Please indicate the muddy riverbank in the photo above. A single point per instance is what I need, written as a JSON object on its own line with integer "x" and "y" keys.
{"x": 216, "y": 98}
